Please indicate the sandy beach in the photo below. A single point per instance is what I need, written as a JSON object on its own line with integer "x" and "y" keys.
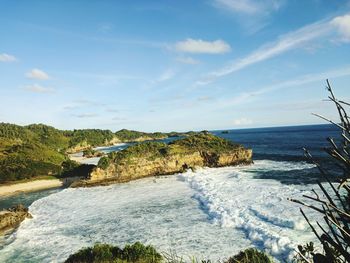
{"x": 7, "y": 190}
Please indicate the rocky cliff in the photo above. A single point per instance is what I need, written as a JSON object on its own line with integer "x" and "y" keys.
{"x": 12, "y": 217}
{"x": 156, "y": 158}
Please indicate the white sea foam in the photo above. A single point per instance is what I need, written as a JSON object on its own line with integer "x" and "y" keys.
{"x": 233, "y": 198}
{"x": 210, "y": 213}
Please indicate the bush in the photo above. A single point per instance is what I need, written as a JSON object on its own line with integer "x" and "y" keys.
{"x": 104, "y": 162}
{"x": 137, "y": 253}
{"x": 250, "y": 255}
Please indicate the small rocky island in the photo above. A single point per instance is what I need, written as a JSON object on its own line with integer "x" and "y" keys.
{"x": 158, "y": 158}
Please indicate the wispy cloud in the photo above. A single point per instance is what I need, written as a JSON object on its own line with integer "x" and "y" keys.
{"x": 85, "y": 115}
{"x": 250, "y": 7}
{"x": 166, "y": 75}
{"x": 342, "y": 24}
{"x": 187, "y": 60}
{"x": 37, "y": 74}
{"x": 105, "y": 27}
{"x": 83, "y": 103}
{"x": 118, "y": 118}
{"x": 302, "y": 80}
{"x": 205, "y": 98}
{"x": 112, "y": 110}
{"x": 293, "y": 40}
{"x": 201, "y": 46}
{"x": 7, "y": 58}
{"x": 253, "y": 15}
{"x": 36, "y": 88}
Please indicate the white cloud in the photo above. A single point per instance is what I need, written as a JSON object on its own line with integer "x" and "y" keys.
{"x": 37, "y": 74}
{"x": 342, "y": 24}
{"x": 242, "y": 121}
{"x": 7, "y": 58}
{"x": 187, "y": 60}
{"x": 250, "y": 7}
{"x": 201, "y": 46}
{"x": 293, "y": 40}
{"x": 36, "y": 88}
{"x": 85, "y": 115}
{"x": 166, "y": 75}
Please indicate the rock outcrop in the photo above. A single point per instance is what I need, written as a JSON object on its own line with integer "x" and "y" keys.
{"x": 155, "y": 158}
{"x": 12, "y": 217}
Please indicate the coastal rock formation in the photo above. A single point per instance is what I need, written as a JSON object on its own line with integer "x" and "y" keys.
{"x": 12, "y": 217}
{"x": 156, "y": 158}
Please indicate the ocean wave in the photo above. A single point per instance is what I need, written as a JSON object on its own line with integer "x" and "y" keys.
{"x": 233, "y": 198}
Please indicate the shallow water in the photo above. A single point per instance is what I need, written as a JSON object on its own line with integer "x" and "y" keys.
{"x": 210, "y": 213}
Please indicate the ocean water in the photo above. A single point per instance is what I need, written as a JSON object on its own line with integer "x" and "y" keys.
{"x": 210, "y": 213}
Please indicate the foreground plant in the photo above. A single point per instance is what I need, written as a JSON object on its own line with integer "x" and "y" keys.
{"x": 332, "y": 228}
{"x": 136, "y": 252}
{"x": 139, "y": 253}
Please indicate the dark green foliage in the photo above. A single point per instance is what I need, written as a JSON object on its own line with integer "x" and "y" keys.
{"x": 206, "y": 142}
{"x": 72, "y": 168}
{"x": 20, "y": 160}
{"x": 91, "y": 137}
{"x": 148, "y": 150}
{"x": 140, "y": 253}
{"x": 143, "y": 149}
{"x": 49, "y": 136}
{"x": 128, "y": 135}
{"x": 91, "y": 153}
{"x": 111, "y": 254}
{"x": 250, "y": 255}
{"x": 104, "y": 162}
{"x": 16, "y": 132}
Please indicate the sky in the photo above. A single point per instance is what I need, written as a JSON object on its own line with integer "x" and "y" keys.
{"x": 172, "y": 65}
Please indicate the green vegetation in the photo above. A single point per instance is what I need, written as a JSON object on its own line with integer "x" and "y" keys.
{"x": 38, "y": 149}
{"x": 202, "y": 142}
{"x": 89, "y": 137}
{"x": 132, "y": 136}
{"x": 205, "y": 141}
{"x": 250, "y": 255}
{"x": 129, "y": 135}
{"x": 71, "y": 168}
{"x": 30, "y": 151}
{"x": 88, "y": 153}
{"x": 137, "y": 253}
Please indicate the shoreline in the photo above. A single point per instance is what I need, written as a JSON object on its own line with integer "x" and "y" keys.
{"x": 36, "y": 185}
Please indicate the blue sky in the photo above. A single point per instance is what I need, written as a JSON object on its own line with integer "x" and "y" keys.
{"x": 172, "y": 65}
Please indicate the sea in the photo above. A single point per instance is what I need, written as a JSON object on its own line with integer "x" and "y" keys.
{"x": 209, "y": 213}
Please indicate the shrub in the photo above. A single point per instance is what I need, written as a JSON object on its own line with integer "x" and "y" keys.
{"x": 136, "y": 253}
{"x": 250, "y": 255}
